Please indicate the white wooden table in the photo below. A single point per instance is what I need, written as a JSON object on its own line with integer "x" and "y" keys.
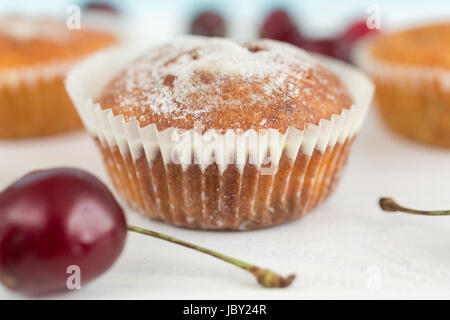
{"x": 347, "y": 248}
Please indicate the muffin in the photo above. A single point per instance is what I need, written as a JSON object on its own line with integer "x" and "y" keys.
{"x": 411, "y": 71}
{"x": 208, "y": 133}
{"x": 35, "y": 56}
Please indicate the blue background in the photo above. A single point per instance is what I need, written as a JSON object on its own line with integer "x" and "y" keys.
{"x": 160, "y": 19}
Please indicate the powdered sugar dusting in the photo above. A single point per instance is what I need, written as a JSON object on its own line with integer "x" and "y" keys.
{"x": 164, "y": 78}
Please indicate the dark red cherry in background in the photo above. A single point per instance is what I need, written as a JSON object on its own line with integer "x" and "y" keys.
{"x": 346, "y": 42}
{"x": 322, "y": 46}
{"x": 99, "y": 6}
{"x": 279, "y": 25}
{"x": 53, "y": 219}
{"x": 208, "y": 24}
{"x": 356, "y": 31}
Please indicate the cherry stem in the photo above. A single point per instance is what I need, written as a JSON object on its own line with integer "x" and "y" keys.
{"x": 388, "y": 204}
{"x": 265, "y": 277}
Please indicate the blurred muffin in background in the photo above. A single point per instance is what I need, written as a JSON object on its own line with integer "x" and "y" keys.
{"x": 35, "y": 55}
{"x": 411, "y": 70}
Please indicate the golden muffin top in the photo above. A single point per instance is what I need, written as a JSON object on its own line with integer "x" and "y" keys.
{"x": 225, "y": 85}
{"x": 422, "y": 46}
{"x": 26, "y": 41}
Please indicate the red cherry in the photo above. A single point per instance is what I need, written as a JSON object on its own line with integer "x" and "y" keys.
{"x": 101, "y": 6}
{"x": 278, "y": 25}
{"x": 53, "y": 219}
{"x": 354, "y": 32}
{"x": 209, "y": 24}
{"x": 322, "y": 46}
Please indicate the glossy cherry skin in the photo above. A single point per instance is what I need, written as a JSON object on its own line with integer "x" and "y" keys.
{"x": 53, "y": 219}
{"x": 278, "y": 25}
{"x": 208, "y": 24}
